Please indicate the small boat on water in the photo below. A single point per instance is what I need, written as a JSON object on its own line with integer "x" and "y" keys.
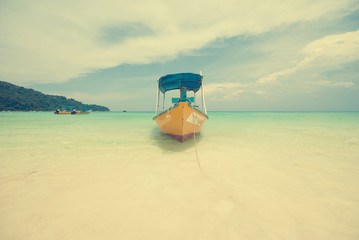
{"x": 58, "y": 111}
{"x": 66, "y": 110}
{"x": 183, "y": 118}
{"x": 81, "y": 111}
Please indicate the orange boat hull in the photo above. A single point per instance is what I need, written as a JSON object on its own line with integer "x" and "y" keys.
{"x": 181, "y": 121}
{"x": 81, "y": 113}
{"x": 77, "y": 112}
{"x": 62, "y": 112}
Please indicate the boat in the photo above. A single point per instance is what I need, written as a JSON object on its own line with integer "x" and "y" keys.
{"x": 81, "y": 111}
{"x": 63, "y": 111}
{"x": 58, "y": 111}
{"x": 183, "y": 118}
{"x": 66, "y": 110}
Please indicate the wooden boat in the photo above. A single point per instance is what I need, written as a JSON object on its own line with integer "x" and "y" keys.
{"x": 66, "y": 111}
{"x": 60, "y": 112}
{"x": 183, "y": 118}
{"x": 74, "y": 111}
{"x": 81, "y": 112}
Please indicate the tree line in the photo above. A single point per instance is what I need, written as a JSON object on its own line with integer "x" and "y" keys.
{"x": 16, "y": 98}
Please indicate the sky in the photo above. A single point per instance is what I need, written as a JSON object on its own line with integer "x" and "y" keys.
{"x": 254, "y": 55}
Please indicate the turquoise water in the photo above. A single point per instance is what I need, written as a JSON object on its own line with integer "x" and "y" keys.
{"x": 266, "y": 175}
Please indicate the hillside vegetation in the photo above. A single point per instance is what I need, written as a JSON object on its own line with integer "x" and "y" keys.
{"x": 15, "y": 98}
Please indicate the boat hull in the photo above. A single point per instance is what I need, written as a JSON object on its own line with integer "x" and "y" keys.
{"x": 62, "y": 112}
{"x": 181, "y": 121}
{"x": 80, "y": 113}
{"x": 77, "y": 112}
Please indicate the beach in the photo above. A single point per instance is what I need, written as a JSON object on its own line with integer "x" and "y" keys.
{"x": 264, "y": 175}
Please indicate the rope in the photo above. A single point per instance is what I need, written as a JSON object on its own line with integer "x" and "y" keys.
{"x": 195, "y": 148}
{"x": 194, "y": 141}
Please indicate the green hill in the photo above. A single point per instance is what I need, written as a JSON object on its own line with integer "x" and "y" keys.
{"x": 15, "y": 98}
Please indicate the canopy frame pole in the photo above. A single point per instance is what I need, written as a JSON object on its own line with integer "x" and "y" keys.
{"x": 203, "y": 102}
{"x": 158, "y": 97}
{"x": 194, "y": 98}
{"x": 164, "y": 98}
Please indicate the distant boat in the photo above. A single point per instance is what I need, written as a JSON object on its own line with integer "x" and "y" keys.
{"x": 82, "y": 111}
{"x": 58, "y": 111}
{"x": 183, "y": 118}
{"x": 66, "y": 110}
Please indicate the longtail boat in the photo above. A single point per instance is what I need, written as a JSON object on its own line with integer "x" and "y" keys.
{"x": 61, "y": 112}
{"x": 81, "y": 111}
{"x": 183, "y": 118}
{"x": 66, "y": 110}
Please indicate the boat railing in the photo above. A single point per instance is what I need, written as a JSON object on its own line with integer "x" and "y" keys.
{"x": 165, "y": 111}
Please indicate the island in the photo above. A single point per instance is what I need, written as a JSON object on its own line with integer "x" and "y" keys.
{"x": 16, "y": 98}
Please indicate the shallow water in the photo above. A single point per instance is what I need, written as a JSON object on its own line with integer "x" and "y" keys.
{"x": 266, "y": 175}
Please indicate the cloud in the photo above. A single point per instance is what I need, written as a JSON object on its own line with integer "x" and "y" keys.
{"x": 215, "y": 87}
{"x": 230, "y": 91}
{"x": 100, "y": 97}
{"x": 322, "y": 54}
{"x": 54, "y": 41}
{"x": 335, "y": 84}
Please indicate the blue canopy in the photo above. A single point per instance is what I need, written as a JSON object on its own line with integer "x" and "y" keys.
{"x": 190, "y": 81}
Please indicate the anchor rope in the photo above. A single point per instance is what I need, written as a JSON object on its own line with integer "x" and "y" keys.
{"x": 194, "y": 140}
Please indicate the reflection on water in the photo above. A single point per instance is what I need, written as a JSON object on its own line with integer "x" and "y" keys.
{"x": 170, "y": 145}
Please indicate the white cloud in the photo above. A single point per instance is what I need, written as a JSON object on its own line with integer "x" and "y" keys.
{"x": 100, "y": 97}
{"x": 230, "y": 91}
{"x": 335, "y": 84}
{"x": 215, "y": 87}
{"x": 53, "y": 41}
{"x": 322, "y": 54}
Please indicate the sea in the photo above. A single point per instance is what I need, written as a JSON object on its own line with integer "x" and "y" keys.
{"x": 113, "y": 175}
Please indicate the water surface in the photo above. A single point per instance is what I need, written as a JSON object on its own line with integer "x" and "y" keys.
{"x": 267, "y": 175}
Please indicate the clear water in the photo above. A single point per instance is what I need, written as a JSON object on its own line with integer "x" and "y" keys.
{"x": 266, "y": 175}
